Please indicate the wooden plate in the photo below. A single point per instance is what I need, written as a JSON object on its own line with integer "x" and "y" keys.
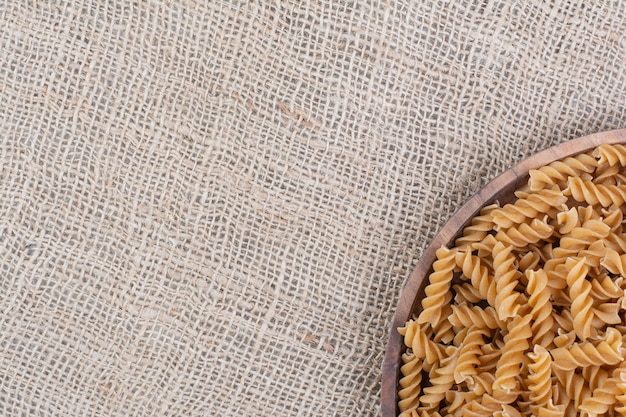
{"x": 501, "y": 189}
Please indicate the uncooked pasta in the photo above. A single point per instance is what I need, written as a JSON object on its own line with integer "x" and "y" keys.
{"x": 525, "y": 314}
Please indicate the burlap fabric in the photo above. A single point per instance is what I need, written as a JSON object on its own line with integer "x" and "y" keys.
{"x": 212, "y": 209}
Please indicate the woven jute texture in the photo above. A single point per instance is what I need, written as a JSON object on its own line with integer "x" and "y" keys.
{"x": 211, "y": 209}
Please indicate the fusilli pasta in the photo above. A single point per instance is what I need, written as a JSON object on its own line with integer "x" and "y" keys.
{"x": 526, "y": 314}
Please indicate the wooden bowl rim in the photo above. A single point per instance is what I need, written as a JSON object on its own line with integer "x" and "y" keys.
{"x": 507, "y": 182}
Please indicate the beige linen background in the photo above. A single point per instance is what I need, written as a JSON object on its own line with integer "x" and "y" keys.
{"x": 211, "y": 209}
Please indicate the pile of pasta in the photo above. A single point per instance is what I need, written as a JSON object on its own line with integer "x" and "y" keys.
{"x": 524, "y": 315}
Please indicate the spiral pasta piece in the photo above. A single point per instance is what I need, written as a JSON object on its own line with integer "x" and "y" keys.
{"x": 469, "y": 353}
{"x": 478, "y": 229}
{"x": 525, "y": 233}
{"x": 605, "y": 352}
{"x": 581, "y": 238}
{"x": 410, "y": 383}
{"x": 541, "y": 312}
{"x": 594, "y": 194}
{"x": 506, "y": 278}
{"x": 579, "y": 290}
{"x": 421, "y": 344}
{"x": 611, "y": 154}
{"x": 556, "y": 173}
{"x": 443, "y": 380}
{"x": 438, "y": 290}
{"x": 539, "y": 382}
{"x": 515, "y": 344}
{"x": 478, "y": 274}
{"x": 466, "y": 316}
{"x": 527, "y": 208}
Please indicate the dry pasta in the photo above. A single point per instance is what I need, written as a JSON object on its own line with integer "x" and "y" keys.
{"x": 604, "y": 396}
{"x": 527, "y": 208}
{"x": 611, "y": 154}
{"x": 410, "y": 387}
{"x": 539, "y": 378}
{"x": 526, "y": 314}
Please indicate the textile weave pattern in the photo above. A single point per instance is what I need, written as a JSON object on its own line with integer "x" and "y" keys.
{"x": 212, "y": 208}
